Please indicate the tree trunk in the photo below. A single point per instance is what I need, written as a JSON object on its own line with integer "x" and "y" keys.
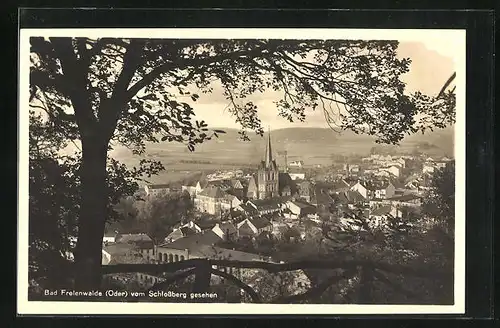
{"x": 92, "y": 219}
{"x": 202, "y": 280}
{"x": 366, "y": 283}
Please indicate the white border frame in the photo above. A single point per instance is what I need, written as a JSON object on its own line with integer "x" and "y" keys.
{"x": 26, "y": 307}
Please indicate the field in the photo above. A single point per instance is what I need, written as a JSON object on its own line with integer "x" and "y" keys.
{"x": 311, "y": 145}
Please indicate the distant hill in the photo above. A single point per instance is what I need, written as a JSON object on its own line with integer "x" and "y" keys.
{"x": 311, "y": 145}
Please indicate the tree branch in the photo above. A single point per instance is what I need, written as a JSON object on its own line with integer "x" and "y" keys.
{"x": 170, "y": 280}
{"x": 251, "y": 292}
{"x": 276, "y": 267}
{"x": 185, "y": 63}
{"x": 316, "y": 291}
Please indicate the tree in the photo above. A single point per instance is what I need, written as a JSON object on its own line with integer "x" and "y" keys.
{"x": 439, "y": 202}
{"x": 54, "y": 200}
{"x": 159, "y": 214}
{"x": 126, "y": 91}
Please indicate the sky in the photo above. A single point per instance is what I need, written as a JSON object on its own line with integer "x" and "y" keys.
{"x": 432, "y": 64}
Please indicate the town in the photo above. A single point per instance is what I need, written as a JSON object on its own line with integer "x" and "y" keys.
{"x": 273, "y": 213}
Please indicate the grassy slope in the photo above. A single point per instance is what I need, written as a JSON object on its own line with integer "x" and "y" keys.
{"x": 312, "y": 145}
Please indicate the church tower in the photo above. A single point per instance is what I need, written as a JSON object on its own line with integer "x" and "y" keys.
{"x": 268, "y": 174}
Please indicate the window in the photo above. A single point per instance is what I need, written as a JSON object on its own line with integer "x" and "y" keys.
{"x": 176, "y": 258}
{"x": 165, "y": 257}
{"x": 182, "y": 257}
{"x": 170, "y": 258}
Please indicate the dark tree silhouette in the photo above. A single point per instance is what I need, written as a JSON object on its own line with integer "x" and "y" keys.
{"x": 132, "y": 91}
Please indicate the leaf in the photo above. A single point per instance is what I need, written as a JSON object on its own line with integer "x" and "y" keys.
{"x": 220, "y": 131}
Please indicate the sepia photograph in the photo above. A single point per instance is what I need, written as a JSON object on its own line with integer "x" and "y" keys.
{"x": 241, "y": 171}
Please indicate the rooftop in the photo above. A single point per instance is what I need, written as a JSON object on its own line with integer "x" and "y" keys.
{"x": 194, "y": 241}
{"x": 266, "y": 203}
{"x": 133, "y": 238}
{"x": 404, "y": 198}
{"x": 214, "y": 252}
{"x": 383, "y": 210}
{"x": 158, "y": 186}
{"x": 260, "y": 223}
{"x": 212, "y": 192}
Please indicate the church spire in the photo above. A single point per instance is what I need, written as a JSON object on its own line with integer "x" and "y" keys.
{"x": 269, "y": 152}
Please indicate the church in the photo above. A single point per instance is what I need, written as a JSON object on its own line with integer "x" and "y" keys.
{"x": 268, "y": 182}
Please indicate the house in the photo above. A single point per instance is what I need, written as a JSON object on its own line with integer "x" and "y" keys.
{"x": 247, "y": 210}
{"x": 141, "y": 242}
{"x": 361, "y": 188}
{"x": 237, "y": 188}
{"x": 225, "y": 230}
{"x": 183, "y": 248}
{"x": 410, "y": 200}
{"x": 418, "y": 182}
{"x": 119, "y": 253}
{"x": 374, "y": 188}
{"x": 133, "y": 238}
{"x": 254, "y": 227}
{"x": 339, "y": 186}
{"x": 379, "y": 216}
{"x": 210, "y": 200}
{"x": 266, "y": 206}
{"x": 306, "y": 190}
{"x": 297, "y": 175}
{"x": 428, "y": 167}
{"x": 106, "y": 258}
{"x": 352, "y": 168}
{"x": 109, "y": 237}
{"x": 350, "y": 199}
{"x": 298, "y": 164}
{"x": 230, "y": 201}
{"x": 299, "y": 209}
{"x": 322, "y": 199}
{"x": 393, "y": 169}
{"x": 185, "y": 230}
{"x": 157, "y": 189}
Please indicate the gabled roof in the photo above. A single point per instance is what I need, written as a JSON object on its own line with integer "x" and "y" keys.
{"x": 228, "y": 226}
{"x": 340, "y": 185}
{"x": 260, "y": 223}
{"x": 248, "y": 208}
{"x": 212, "y": 192}
{"x": 354, "y": 196}
{"x": 222, "y": 184}
{"x": 237, "y": 184}
{"x": 205, "y": 224}
{"x": 323, "y": 199}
